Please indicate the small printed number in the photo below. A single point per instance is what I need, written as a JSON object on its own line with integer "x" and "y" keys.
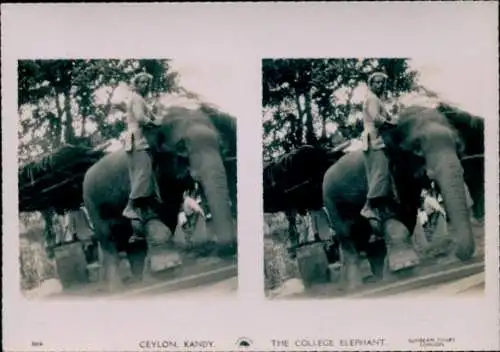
{"x": 36, "y": 343}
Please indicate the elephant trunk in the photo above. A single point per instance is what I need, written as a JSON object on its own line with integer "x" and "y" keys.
{"x": 207, "y": 168}
{"x": 445, "y": 168}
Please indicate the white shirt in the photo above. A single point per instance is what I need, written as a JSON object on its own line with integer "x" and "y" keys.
{"x": 374, "y": 113}
{"x": 138, "y": 113}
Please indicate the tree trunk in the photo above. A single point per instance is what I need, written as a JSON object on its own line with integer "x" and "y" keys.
{"x": 299, "y": 132}
{"x": 310, "y": 135}
{"x": 82, "y": 129}
{"x": 58, "y": 127}
{"x": 69, "y": 132}
{"x": 323, "y": 126}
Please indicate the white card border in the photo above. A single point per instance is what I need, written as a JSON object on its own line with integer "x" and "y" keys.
{"x": 246, "y": 32}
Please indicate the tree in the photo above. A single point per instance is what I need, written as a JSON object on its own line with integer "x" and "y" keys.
{"x": 302, "y": 97}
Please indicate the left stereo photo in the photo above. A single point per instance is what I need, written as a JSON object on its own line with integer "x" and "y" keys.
{"x": 127, "y": 181}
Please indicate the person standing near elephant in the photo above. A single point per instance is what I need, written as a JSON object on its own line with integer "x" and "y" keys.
{"x": 143, "y": 187}
{"x": 375, "y": 116}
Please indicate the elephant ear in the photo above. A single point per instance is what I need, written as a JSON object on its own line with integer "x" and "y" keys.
{"x": 470, "y": 129}
{"x": 226, "y": 126}
{"x": 225, "y": 149}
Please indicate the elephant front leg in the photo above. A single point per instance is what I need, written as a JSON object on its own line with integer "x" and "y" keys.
{"x": 401, "y": 254}
{"x": 162, "y": 254}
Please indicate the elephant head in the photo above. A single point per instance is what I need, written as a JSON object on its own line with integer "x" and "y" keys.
{"x": 430, "y": 138}
{"x": 471, "y": 133}
{"x": 195, "y": 148}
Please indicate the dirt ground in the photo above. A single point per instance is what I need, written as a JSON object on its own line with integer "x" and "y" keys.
{"x": 195, "y": 268}
{"x": 472, "y": 286}
{"x": 193, "y": 264}
{"x": 223, "y": 289}
{"x": 280, "y": 268}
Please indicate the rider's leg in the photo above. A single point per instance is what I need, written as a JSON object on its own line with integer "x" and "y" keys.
{"x": 142, "y": 185}
{"x": 379, "y": 184}
{"x": 400, "y": 252}
{"x": 143, "y": 196}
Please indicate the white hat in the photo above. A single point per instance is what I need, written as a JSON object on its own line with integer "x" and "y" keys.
{"x": 376, "y": 74}
{"x": 139, "y": 75}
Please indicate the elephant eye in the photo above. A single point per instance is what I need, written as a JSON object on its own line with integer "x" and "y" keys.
{"x": 181, "y": 148}
{"x": 416, "y": 147}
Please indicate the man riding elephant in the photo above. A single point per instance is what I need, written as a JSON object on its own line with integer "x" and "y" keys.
{"x": 424, "y": 146}
{"x": 144, "y": 189}
{"x": 144, "y": 196}
{"x": 375, "y": 116}
{"x": 381, "y": 198}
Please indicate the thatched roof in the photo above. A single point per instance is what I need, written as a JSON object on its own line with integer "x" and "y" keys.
{"x": 294, "y": 180}
{"x": 55, "y": 180}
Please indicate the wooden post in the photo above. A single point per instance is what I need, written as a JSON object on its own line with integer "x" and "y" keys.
{"x": 71, "y": 264}
{"x": 49, "y": 234}
{"x": 313, "y": 264}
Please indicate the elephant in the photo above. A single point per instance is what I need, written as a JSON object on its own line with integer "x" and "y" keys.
{"x": 187, "y": 146}
{"x": 426, "y": 144}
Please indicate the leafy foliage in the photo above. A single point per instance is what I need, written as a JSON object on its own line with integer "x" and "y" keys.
{"x": 60, "y": 100}
{"x": 301, "y": 97}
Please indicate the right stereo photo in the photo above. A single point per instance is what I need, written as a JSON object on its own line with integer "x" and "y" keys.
{"x": 373, "y": 180}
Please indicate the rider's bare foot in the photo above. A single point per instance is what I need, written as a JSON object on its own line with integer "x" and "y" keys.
{"x": 163, "y": 258}
{"x": 132, "y": 213}
{"x": 372, "y": 213}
